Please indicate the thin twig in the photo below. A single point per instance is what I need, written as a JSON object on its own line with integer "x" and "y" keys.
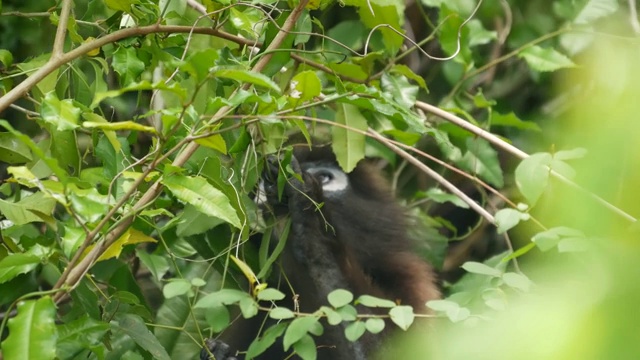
{"x": 434, "y": 175}
{"x": 518, "y": 153}
{"x": 61, "y": 31}
{"x": 76, "y": 273}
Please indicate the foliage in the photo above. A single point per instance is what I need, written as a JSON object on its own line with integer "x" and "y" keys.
{"x": 134, "y": 132}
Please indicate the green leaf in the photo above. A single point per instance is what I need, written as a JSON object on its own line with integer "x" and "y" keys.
{"x": 374, "y": 325}
{"x": 596, "y": 9}
{"x": 174, "y": 88}
{"x": 511, "y": 120}
{"x": 13, "y": 265}
{"x": 298, "y": 328}
{"x": 62, "y": 114}
{"x": 304, "y": 86}
{"x": 12, "y": 151}
{"x": 222, "y": 297}
{"x": 347, "y": 312}
{"x": 176, "y": 287}
{"x": 134, "y": 327}
{"x": 549, "y": 239}
{"x": 126, "y": 63}
{"x": 122, "y": 125}
{"x": 355, "y": 330}
{"x": 246, "y": 76}
{"x": 6, "y": 58}
{"x": 269, "y": 337}
{"x": 482, "y": 159}
{"x": 372, "y": 301}
{"x": 281, "y": 313}
{"x": 577, "y": 153}
{"x": 218, "y": 318}
{"x": 440, "y": 196}
{"x": 196, "y": 191}
{"x": 78, "y": 335}
{"x": 35, "y": 208}
{"x": 480, "y": 268}
{"x": 248, "y": 307}
{"x": 517, "y": 281}
{"x": 333, "y": 317}
{"x": 89, "y": 204}
{"x": 532, "y": 176}
{"x": 507, "y": 219}
{"x": 339, "y": 298}
{"x": 32, "y": 332}
{"x": 404, "y": 70}
{"x": 306, "y": 348}
{"x": 545, "y": 59}
{"x": 348, "y": 145}
{"x": 389, "y": 12}
{"x": 453, "y": 310}
{"x": 270, "y": 294}
{"x": 400, "y": 89}
{"x": 402, "y": 316}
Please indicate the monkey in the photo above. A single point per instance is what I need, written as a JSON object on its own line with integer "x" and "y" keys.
{"x": 347, "y": 232}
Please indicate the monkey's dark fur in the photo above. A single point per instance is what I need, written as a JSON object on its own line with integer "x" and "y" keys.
{"x": 356, "y": 240}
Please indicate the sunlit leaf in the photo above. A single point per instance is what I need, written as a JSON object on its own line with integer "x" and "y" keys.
{"x": 203, "y": 196}
{"x": 545, "y": 59}
{"x": 32, "y": 332}
{"x": 402, "y": 316}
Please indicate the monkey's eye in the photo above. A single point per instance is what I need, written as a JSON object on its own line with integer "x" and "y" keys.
{"x": 324, "y": 176}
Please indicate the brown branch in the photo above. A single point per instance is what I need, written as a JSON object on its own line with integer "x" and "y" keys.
{"x": 61, "y": 31}
{"x": 75, "y": 272}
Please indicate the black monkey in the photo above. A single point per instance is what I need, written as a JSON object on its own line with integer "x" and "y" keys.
{"x": 347, "y": 231}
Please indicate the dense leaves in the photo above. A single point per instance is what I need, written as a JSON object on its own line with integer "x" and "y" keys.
{"x": 132, "y": 142}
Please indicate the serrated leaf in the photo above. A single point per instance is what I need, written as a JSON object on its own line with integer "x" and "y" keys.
{"x": 32, "y": 332}
{"x": 126, "y": 63}
{"x": 339, "y": 298}
{"x": 298, "y": 328}
{"x": 63, "y": 115}
{"x": 545, "y": 59}
{"x": 480, "y": 268}
{"x": 506, "y": 219}
{"x": 402, "y": 316}
{"x": 281, "y": 313}
{"x": 532, "y": 176}
{"x": 400, "y": 89}
{"x": 246, "y": 76}
{"x": 134, "y": 327}
{"x": 355, "y": 330}
{"x": 35, "y": 208}
{"x": 596, "y": 9}
{"x": 196, "y": 191}
{"x": 348, "y": 145}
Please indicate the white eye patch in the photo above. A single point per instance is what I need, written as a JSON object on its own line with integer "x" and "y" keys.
{"x": 331, "y": 178}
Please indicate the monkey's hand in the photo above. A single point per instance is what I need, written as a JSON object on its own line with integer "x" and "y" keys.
{"x": 215, "y": 349}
